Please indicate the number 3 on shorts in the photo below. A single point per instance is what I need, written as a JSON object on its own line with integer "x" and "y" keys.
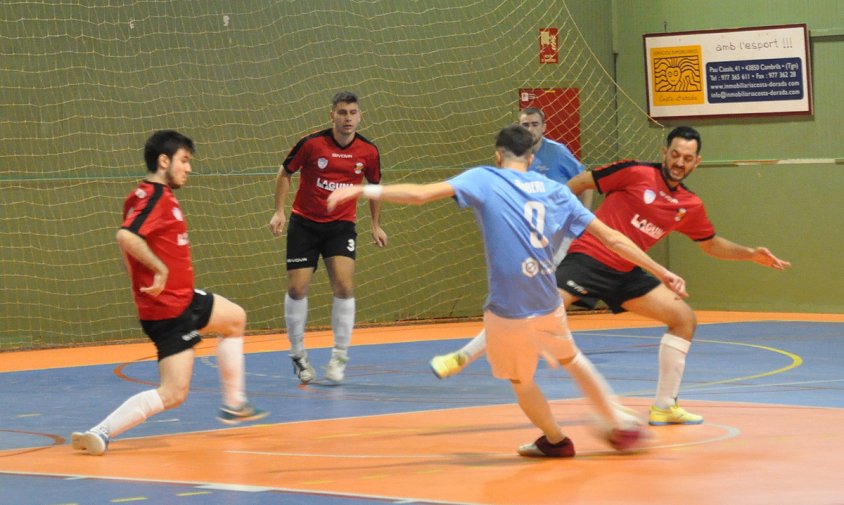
{"x": 351, "y": 246}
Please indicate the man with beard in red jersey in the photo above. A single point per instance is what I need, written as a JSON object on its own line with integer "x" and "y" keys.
{"x": 645, "y": 202}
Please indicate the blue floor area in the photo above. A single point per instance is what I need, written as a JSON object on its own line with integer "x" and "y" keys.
{"x": 789, "y": 363}
{"x": 17, "y": 489}
{"x": 737, "y": 362}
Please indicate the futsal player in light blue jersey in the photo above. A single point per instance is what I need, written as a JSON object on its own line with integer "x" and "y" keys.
{"x": 554, "y": 160}
{"x": 523, "y": 216}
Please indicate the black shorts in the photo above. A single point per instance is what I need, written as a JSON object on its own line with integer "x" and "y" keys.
{"x": 172, "y": 336}
{"x": 590, "y": 280}
{"x": 307, "y": 240}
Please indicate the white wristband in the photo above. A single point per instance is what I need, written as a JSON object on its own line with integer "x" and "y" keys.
{"x": 372, "y": 191}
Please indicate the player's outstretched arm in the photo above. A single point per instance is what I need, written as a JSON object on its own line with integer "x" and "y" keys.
{"x": 721, "y": 248}
{"x": 343, "y": 194}
{"x": 136, "y": 247}
{"x": 414, "y": 194}
{"x": 624, "y": 247}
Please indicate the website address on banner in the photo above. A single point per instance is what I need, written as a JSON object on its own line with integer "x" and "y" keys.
{"x": 752, "y": 90}
{"x": 756, "y": 93}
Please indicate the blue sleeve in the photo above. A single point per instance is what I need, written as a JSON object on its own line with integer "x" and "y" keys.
{"x": 581, "y": 218}
{"x": 571, "y": 165}
{"x": 468, "y": 187}
{"x": 575, "y": 216}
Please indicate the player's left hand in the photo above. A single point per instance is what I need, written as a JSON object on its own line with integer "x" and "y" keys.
{"x": 764, "y": 257}
{"x": 380, "y": 236}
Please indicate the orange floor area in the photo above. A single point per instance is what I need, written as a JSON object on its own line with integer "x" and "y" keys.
{"x": 467, "y": 455}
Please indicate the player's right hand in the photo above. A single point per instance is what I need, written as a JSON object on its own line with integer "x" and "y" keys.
{"x": 676, "y": 284}
{"x": 277, "y": 223}
{"x": 159, "y": 281}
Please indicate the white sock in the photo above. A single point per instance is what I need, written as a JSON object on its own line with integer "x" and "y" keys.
{"x": 230, "y": 363}
{"x": 594, "y": 387}
{"x": 342, "y": 323}
{"x": 295, "y": 316}
{"x": 672, "y": 363}
{"x": 133, "y": 412}
{"x": 474, "y": 348}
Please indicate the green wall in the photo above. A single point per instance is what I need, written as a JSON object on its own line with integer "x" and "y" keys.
{"x": 794, "y": 209}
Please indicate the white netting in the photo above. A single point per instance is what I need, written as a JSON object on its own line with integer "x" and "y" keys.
{"x": 84, "y": 82}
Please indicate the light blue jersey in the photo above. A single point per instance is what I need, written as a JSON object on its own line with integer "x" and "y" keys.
{"x": 555, "y": 161}
{"x": 523, "y": 217}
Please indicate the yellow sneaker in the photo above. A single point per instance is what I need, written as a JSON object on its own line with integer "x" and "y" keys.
{"x": 447, "y": 365}
{"x": 674, "y": 414}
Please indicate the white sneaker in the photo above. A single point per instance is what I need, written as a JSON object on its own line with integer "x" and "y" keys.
{"x": 303, "y": 369}
{"x": 335, "y": 371}
{"x": 246, "y": 412}
{"x": 94, "y": 443}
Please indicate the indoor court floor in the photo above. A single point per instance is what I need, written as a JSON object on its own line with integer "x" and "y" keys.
{"x": 770, "y": 386}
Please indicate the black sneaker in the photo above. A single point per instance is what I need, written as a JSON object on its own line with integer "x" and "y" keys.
{"x": 542, "y": 448}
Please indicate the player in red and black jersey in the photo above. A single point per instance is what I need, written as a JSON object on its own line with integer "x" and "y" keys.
{"x": 646, "y": 202}
{"x": 154, "y": 242}
{"x": 326, "y": 160}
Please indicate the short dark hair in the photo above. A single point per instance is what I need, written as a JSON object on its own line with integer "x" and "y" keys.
{"x": 515, "y": 139}
{"x": 532, "y": 110}
{"x": 685, "y": 132}
{"x": 343, "y": 96}
{"x": 164, "y": 142}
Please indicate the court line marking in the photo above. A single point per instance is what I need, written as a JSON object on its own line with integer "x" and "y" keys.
{"x": 348, "y": 456}
{"x": 779, "y": 384}
{"x": 211, "y": 485}
{"x": 728, "y": 433}
{"x": 796, "y": 360}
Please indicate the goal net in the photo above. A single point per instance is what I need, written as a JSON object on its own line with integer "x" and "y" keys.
{"x": 84, "y": 83}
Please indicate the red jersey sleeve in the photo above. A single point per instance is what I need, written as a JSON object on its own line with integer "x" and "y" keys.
{"x": 141, "y": 214}
{"x": 297, "y": 156}
{"x": 373, "y": 168}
